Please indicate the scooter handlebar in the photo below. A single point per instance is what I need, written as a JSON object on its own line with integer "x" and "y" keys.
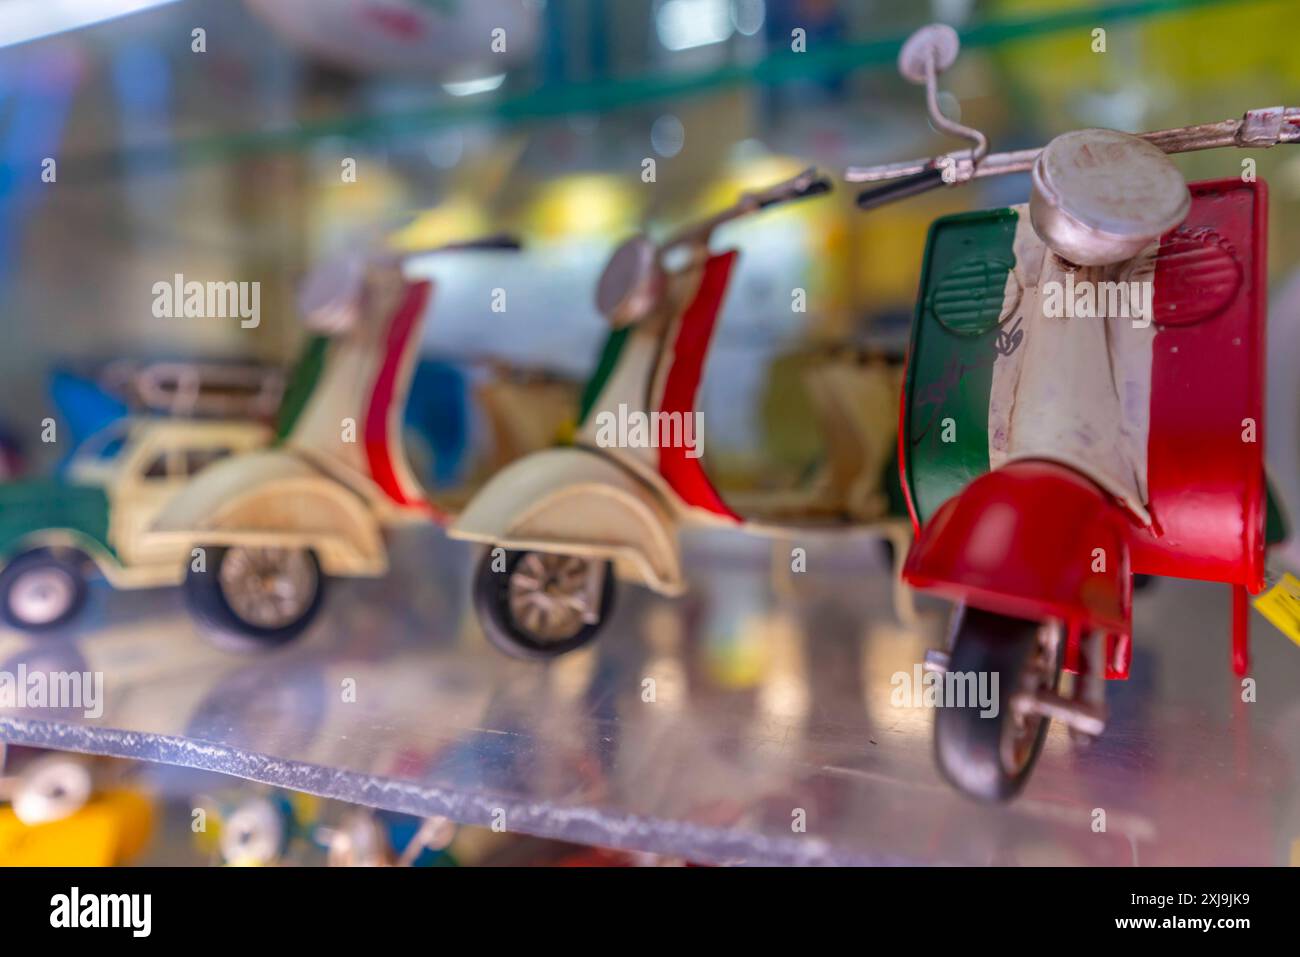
{"x": 502, "y": 241}
{"x": 912, "y": 185}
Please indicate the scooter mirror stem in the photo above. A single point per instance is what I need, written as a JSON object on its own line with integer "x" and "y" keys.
{"x": 928, "y": 52}
{"x": 933, "y": 49}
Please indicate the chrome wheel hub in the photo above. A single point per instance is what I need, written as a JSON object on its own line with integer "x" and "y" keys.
{"x": 42, "y": 595}
{"x": 553, "y": 596}
{"x": 1020, "y": 728}
{"x": 268, "y": 587}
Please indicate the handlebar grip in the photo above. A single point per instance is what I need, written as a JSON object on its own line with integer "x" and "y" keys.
{"x": 912, "y": 185}
{"x": 503, "y": 241}
{"x": 815, "y": 188}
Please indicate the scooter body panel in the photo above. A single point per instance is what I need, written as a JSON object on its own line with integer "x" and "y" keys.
{"x": 1198, "y": 398}
{"x": 651, "y": 373}
{"x": 578, "y": 501}
{"x": 1206, "y": 456}
{"x": 1031, "y": 540}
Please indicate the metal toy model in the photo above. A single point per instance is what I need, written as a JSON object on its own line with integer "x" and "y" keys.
{"x": 56, "y": 532}
{"x": 1083, "y": 402}
{"x": 563, "y": 524}
{"x": 271, "y": 527}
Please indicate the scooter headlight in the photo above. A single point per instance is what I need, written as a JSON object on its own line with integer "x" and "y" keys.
{"x": 632, "y": 283}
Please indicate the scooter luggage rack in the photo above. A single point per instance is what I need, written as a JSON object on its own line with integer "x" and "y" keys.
{"x": 933, "y": 49}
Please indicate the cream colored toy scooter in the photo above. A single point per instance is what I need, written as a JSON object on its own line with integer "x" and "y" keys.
{"x": 564, "y": 523}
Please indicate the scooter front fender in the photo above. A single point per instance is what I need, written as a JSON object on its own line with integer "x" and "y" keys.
{"x": 1033, "y": 540}
{"x": 578, "y": 502}
{"x": 275, "y": 499}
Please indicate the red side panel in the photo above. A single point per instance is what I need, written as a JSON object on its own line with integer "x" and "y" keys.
{"x": 382, "y": 430}
{"x": 1030, "y": 540}
{"x": 1205, "y": 474}
{"x": 685, "y": 474}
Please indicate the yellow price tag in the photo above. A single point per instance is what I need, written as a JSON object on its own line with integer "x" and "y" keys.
{"x": 1281, "y": 605}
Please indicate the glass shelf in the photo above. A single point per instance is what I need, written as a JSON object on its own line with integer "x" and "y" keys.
{"x": 771, "y": 704}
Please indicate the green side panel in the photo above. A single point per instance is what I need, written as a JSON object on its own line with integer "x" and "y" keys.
{"x": 1276, "y": 528}
{"x": 302, "y": 382}
{"x": 956, "y": 339}
{"x": 38, "y": 505}
{"x": 608, "y": 359}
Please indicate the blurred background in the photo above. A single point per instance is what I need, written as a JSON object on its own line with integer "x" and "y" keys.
{"x": 252, "y": 140}
{"x": 248, "y": 140}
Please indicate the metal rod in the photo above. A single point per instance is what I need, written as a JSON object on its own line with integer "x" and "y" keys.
{"x": 952, "y": 127}
{"x": 1257, "y": 129}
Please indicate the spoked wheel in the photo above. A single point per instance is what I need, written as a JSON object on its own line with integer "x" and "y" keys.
{"x": 253, "y": 598}
{"x": 541, "y": 604}
{"x": 41, "y": 590}
{"x": 986, "y": 755}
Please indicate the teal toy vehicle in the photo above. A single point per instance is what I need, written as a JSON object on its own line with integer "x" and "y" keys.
{"x": 55, "y": 533}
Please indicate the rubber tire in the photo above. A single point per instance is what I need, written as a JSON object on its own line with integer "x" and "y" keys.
{"x": 71, "y": 563}
{"x": 491, "y": 602}
{"x": 967, "y": 747}
{"x": 220, "y": 623}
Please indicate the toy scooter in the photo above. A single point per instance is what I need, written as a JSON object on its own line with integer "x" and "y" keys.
{"x": 1083, "y": 402}
{"x": 564, "y": 523}
{"x": 265, "y": 530}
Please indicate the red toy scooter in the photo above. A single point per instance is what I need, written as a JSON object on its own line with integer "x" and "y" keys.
{"x": 1083, "y": 402}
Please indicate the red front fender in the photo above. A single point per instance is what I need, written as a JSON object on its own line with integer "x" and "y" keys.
{"x": 1034, "y": 540}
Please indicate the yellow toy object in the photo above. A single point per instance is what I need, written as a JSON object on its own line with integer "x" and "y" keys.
{"x": 111, "y": 829}
{"x": 55, "y": 821}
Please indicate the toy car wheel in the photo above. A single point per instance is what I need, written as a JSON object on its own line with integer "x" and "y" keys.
{"x": 254, "y": 598}
{"x": 990, "y": 756}
{"x": 255, "y": 835}
{"x": 539, "y": 605}
{"x": 41, "y": 590}
{"x": 51, "y": 788}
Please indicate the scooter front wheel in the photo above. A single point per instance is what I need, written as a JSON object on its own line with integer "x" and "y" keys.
{"x": 987, "y": 748}
{"x": 538, "y": 605}
{"x": 253, "y": 599}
